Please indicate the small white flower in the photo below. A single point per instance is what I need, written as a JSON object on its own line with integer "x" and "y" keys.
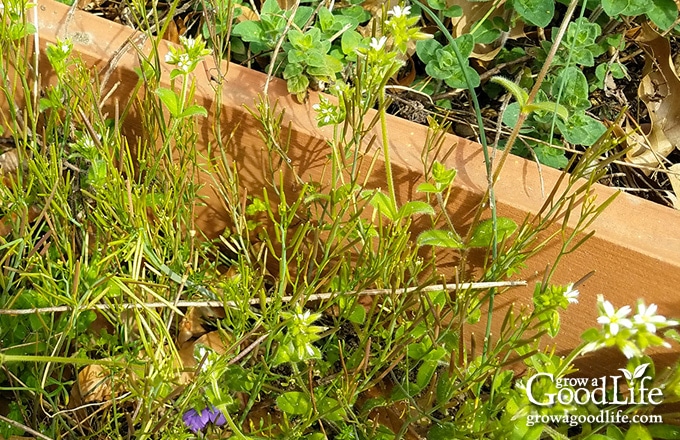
{"x": 88, "y": 143}
{"x": 170, "y": 58}
{"x": 571, "y": 294}
{"x": 316, "y": 107}
{"x": 630, "y": 351}
{"x": 647, "y": 317}
{"x": 189, "y": 43}
{"x": 65, "y": 48}
{"x": 614, "y": 319}
{"x": 378, "y": 44}
{"x": 398, "y": 11}
{"x": 303, "y": 317}
{"x": 184, "y": 63}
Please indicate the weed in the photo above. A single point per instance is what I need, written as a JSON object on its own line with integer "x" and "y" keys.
{"x": 317, "y": 314}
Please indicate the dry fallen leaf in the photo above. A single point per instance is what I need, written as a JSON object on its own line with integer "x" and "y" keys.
{"x": 660, "y": 91}
{"x": 212, "y": 340}
{"x": 93, "y": 385}
{"x": 191, "y": 325}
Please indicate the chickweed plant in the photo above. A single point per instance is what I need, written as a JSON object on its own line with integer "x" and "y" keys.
{"x": 331, "y": 317}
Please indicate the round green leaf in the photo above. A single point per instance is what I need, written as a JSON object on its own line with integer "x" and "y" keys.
{"x": 294, "y": 403}
{"x": 536, "y": 12}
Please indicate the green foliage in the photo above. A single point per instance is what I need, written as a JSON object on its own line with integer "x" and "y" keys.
{"x": 441, "y": 61}
{"x": 330, "y": 308}
{"x": 661, "y": 12}
{"x": 537, "y": 12}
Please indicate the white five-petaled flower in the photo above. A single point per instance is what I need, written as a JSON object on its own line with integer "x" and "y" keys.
{"x": 647, "y": 317}
{"x": 571, "y": 294}
{"x": 378, "y": 44}
{"x": 184, "y": 63}
{"x": 170, "y": 58}
{"x": 398, "y": 11}
{"x": 614, "y": 319}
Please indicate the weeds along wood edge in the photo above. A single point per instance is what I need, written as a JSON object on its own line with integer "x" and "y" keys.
{"x": 635, "y": 252}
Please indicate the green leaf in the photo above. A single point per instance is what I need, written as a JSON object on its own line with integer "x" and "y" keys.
{"x": 457, "y": 79}
{"x": 249, "y": 31}
{"x": 294, "y": 403}
{"x": 581, "y": 129}
{"x": 356, "y": 13}
{"x": 550, "y": 156}
{"x": 96, "y": 175}
{"x": 664, "y": 432}
{"x": 636, "y": 7}
{"x": 521, "y": 96}
{"x": 194, "y": 110}
{"x": 170, "y": 100}
{"x": 443, "y": 431}
{"x": 292, "y": 70}
{"x": 315, "y": 58}
{"x": 637, "y": 432}
{"x": 486, "y": 33}
{"x": 358, "y": 314}
{"x": 574, "y": 88}
{"x": 442, "y": 176}
{"x": 425, "y": 373}
{"x": 614, "y": 7}
{"x": 580, "y": 42}
{"x": 298, "y": 84}
{"x": 302, "y": 15}
{"x": 437, "y": 5}
{"x": 428, "y": 188}
{"x": 383, "y": 204}
{"x": 453, "y": 11}
{"x": 483, "y": 233}
{"x": 548, "y": 106}
{"x": 330, "y": 409}
{"x": 415, "y": 207}
{"x": 536, "y": 12}
{"x": 427, "y": 49}
{"x": 439, "y": 238}
{"x": 350, "y": 41}
{"x": 326, "y": 19}
{"x": 663, "y": 13}
{"x": 297, "y": 39}
{"x": 271, "y": 7}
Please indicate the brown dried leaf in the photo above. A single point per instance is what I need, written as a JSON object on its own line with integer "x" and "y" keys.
{"x": 660, "y": 91}
{"x": 172, "y": 32}
{"x": 93, "y": 385}
{"x": 191, "y": 325}
{"x": 212, "y": 340}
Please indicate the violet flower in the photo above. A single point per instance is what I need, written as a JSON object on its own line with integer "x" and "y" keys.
{"x": 197, "y": 421}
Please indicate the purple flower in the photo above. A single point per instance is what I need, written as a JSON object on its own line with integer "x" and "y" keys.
{"x": 197, "y": 421}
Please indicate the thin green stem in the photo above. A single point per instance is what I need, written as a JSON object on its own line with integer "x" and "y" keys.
{"x": 9, "y": 358}
{"x": 487, "y": 162}
{"x": 386, "y": 147}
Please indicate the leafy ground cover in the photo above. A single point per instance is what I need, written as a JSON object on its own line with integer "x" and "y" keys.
{"x": 119, "y": 321}
{"x": 605, "y": 66}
